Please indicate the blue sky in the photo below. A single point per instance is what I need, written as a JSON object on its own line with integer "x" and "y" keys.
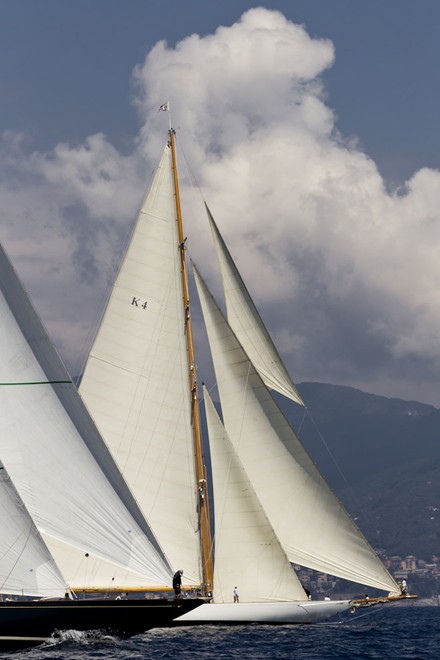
{"x": 359, "y": 278}
{"x": 61, "y": 55}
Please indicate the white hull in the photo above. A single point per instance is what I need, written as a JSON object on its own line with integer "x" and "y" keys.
{"x": 271, "y": 613}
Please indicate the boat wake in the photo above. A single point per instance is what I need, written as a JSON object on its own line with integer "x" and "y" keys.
{"x": 81, "y": 637}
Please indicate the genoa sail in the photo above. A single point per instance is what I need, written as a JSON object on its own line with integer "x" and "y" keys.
{"x": 58, "y": 462}
{"x": 312, "y": 525}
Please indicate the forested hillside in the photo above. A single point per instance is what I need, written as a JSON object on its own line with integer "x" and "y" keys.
{"x": 382, "y": 456}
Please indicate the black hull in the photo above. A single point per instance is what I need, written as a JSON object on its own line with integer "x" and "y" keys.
{"x": 29, "y": 623}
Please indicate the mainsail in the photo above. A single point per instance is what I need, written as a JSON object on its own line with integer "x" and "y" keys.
{"x": 136, "y": 378}
{"x": 312, "y": 525}
{"x": 59, "y": 464}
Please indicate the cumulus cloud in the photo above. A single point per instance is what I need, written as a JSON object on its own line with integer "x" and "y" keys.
{"x": 346, "y": 272}
{"x": 64, "y": 219}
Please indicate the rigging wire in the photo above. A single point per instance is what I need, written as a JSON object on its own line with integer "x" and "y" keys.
{"x": 324, "y": 444}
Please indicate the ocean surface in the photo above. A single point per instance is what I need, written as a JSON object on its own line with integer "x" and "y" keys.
{"x": 386, "y": 632}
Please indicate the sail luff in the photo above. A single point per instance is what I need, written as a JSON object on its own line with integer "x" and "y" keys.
{"x": 312, "y": 525}
{"x": 201, "y": 476}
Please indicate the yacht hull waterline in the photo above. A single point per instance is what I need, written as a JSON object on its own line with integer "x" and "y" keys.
{"x": 29, "y": 623}
{"x": 295, "y": 612}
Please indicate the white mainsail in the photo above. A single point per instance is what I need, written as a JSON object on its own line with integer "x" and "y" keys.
{"x": 136, "y": 378}
{"x": 245, "y": 321}
{"x": 26, "y": 567}
{"x": 247, "y": 552}
{"x": 312, "y": 525}
{"x": 57, "y": 460}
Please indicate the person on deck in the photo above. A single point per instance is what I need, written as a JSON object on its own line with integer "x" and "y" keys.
{"x": 236, "y": 597}
{"x": 403, "y": 588}
{"x": 177, "y": 583}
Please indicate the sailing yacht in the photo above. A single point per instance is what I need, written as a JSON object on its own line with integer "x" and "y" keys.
{"x": 272, "y": 507}
{"x": 70, "y": 524}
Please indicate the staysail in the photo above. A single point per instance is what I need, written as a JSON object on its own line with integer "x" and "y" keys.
{"x": 245, "y": 320}
{"x": 247, "y": 551}
{"x": 57, "y": 460}
{"x": 136, "y": 378}
{"x": 312, "y": 525}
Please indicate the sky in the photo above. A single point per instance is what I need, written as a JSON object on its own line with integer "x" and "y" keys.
{"x": 311, "y": 129}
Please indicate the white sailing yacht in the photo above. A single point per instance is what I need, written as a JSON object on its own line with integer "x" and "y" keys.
{"x": 272, "y": 506}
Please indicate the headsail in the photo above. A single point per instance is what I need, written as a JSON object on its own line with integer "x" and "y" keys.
{"x": 247, "y": 551}
{"x": 244, "y": 319}
{"x": 56, "y": 458}
{"x": 136, "y": 378}
{"x": 26, "y": 566}
{"x": 311, "y": 524}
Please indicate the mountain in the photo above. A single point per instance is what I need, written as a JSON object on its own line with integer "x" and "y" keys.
{"x": 382, "y": 456}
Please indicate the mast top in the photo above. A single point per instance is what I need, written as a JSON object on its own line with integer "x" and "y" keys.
{"x": 165, "y": 107}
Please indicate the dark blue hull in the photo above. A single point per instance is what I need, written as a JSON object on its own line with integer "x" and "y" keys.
{"x": 29, "y": 623}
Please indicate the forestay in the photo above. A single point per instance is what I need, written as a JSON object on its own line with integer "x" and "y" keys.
{"x": 136, "y": 378}
{"x": 313, "y": 527}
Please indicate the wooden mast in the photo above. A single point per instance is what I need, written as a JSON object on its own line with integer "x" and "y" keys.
{"x": 203, "y": 499}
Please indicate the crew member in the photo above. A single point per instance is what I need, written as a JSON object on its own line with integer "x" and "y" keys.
{"x": 177, "y": 583}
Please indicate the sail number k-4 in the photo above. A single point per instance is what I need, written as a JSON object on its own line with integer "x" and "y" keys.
{"x": 137, "y": 302}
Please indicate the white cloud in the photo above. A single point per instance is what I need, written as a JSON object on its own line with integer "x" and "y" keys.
{"x": 345, "y": 269}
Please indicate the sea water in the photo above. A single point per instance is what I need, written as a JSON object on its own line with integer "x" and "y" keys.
{"x": 386, "y": 632}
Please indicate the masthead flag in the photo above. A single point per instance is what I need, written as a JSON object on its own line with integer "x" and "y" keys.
{"x": 165, "y": 107}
